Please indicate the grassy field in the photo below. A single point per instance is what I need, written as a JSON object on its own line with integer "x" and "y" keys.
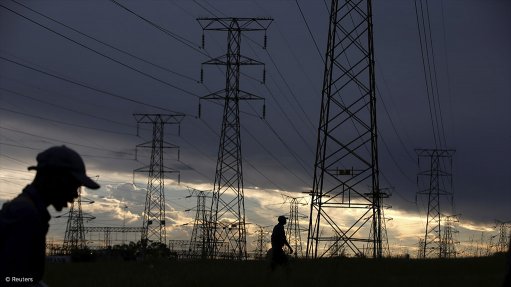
{"x": 465, "y": 272}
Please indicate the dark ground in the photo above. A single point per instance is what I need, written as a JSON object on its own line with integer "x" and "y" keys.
{"x": 484, "y": 271}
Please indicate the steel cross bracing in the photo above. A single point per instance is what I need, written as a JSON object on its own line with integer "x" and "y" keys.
{"x": 227, "y": 230}
{"x": 154, "y": 211}
{"x": 345, "y": 198}
{"x": 435, "y": 181}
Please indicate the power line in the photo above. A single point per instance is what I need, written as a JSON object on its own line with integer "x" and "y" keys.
{"x": 442, "y": 131}
{"x": 63, "y": 107}
{"x": 18, "y": 146}
{"x": 15, "y": 159}
{"x": 101, "y": 54}
{"x": 254, "y": 138}
{"x": 180, "y": 39}
{"x": 310, "y": 32}
{"x": 430, "y": 74}
{"x": 108, "y": 45}
{"x": 86, "y": 86}
{"x": 303, "y": 114}
{"x": 62, "y": 122}
{"x": 425, "y": 75}
{"x": 401, "y": 141}
{"x": 206, "y": 9}
{"x": 293, "y": 95}
{"x": 307, "y": 144}
{"x": 445, "y": 53}
{"x": 55, "y": 140}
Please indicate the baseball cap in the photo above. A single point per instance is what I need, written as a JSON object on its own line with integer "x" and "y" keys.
{"x": 64, "y": 158}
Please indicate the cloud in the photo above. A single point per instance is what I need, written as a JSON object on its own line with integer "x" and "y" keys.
{"x": 473, "y": 226}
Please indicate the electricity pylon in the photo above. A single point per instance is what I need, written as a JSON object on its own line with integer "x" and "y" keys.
{"x": 435, "y": 181}
{"x": 449, "y": 236}
{"x": 227, "y": 230}
{"x": 198, "y": 240}
{"x": 74, "y": 238}
{"x": 293, "y": 230}
{"x": 261, "y": 242}
{"x": 345, "y": 199}
{"x": 420, "y": 250}
{"x": 153, "y": 223}
{"x": 503, "y": 237}
{"x": 384, "y": 236}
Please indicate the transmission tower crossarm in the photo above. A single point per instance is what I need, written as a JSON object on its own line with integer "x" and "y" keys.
{"x": 163, "y": 170}
{"x": 222, "y": 94}
{"x": 226, "y": 24}
{"x": 175, "y": 118}
{"x": 242, "y": 61}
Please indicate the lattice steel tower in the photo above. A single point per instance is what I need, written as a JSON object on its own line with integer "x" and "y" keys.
{"x": 346, "y": 175}
{"x": 434, "y": 181}
{"x": 293, "y": 230}
{"x": 74, "y": 238}
{"x": 503, "y": 238}
{"x": 261, "y": 242}
{"x": 198, "y": 240}
{"x": 154, "y": 212}
{"x": 227, "y": 233}
{"x": 449, "y": 236}
{"x": 384, "y": 236}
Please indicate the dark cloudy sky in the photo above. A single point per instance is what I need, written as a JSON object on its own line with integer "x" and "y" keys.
{"x": 63, "y": 85}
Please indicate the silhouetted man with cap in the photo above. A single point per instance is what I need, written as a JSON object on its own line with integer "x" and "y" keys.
{"x": 278, "y": 240}
{"x": 24, "y": 220}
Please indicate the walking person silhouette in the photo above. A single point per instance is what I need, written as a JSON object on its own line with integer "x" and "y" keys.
{"x": 278, "y": 241}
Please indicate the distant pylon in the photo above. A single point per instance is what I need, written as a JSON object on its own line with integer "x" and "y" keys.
{"x": 420, "y": 250}
{"x": 227, "y": 235}
{"x": 384, "y": 236}
{"x": 434, "y": 181}
{"x": 198, "y": 241}
{"x": 449, "y": 236}
{"x": 261, "y": 242}
{"x": 346, "y": 173}
{"x": 503, "y": 236}
{"x": 293, "y": 230}
{"x": 74, "y": 238}
{"x": 153, "y": 223}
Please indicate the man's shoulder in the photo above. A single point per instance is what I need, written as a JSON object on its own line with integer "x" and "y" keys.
{"x": 278, "y": 228}
{"x": 19, "y": 207}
